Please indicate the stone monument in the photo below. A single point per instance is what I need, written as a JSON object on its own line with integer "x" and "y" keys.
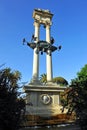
{"x": 42, "y": 99}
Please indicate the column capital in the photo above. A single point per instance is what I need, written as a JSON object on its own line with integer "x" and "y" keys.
{"x": 36, "y": 23}
{"x": 48, "y": 23}
{"x": 47, "y": 26}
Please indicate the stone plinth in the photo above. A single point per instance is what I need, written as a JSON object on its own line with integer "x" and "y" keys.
{"x": 43, "y": 100}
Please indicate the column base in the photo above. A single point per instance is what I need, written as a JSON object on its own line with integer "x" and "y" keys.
{"x": 50, "y": 83}
{"x": 35, "y": 82}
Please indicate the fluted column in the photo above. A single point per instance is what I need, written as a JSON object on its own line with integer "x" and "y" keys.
{"x": 36, "y": 55}
{"x": 49, "y": 56}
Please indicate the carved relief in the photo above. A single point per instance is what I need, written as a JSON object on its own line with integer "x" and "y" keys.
{"x": 46, "y": 99}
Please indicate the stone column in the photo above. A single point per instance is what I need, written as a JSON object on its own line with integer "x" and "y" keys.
{"x": 36, "y": 55}
{"x": 49, "y": 57}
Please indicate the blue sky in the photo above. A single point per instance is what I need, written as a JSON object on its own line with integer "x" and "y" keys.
{"x": 69, "y": 29}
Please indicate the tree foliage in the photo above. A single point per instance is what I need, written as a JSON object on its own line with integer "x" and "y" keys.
{"x": 76, "y": 97}
{"x": 58, "y": 80}
{"x": 43, "y": 78}
{"x": 11, "y": 107}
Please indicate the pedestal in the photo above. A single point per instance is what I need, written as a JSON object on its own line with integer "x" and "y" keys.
{"x": 43, "y": 100}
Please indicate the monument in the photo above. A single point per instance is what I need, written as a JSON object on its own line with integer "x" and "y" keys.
{"x": 42, "y": 99}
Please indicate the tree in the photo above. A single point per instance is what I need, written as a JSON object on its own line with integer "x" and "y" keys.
{"x": 43, "y": 78}
{"x": 76, "y": 97}
{"x": 11, "y": 107}
{"x": 58, "y": 80}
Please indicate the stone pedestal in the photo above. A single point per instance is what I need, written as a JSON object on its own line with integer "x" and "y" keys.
{"x": 43, "y": 100}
